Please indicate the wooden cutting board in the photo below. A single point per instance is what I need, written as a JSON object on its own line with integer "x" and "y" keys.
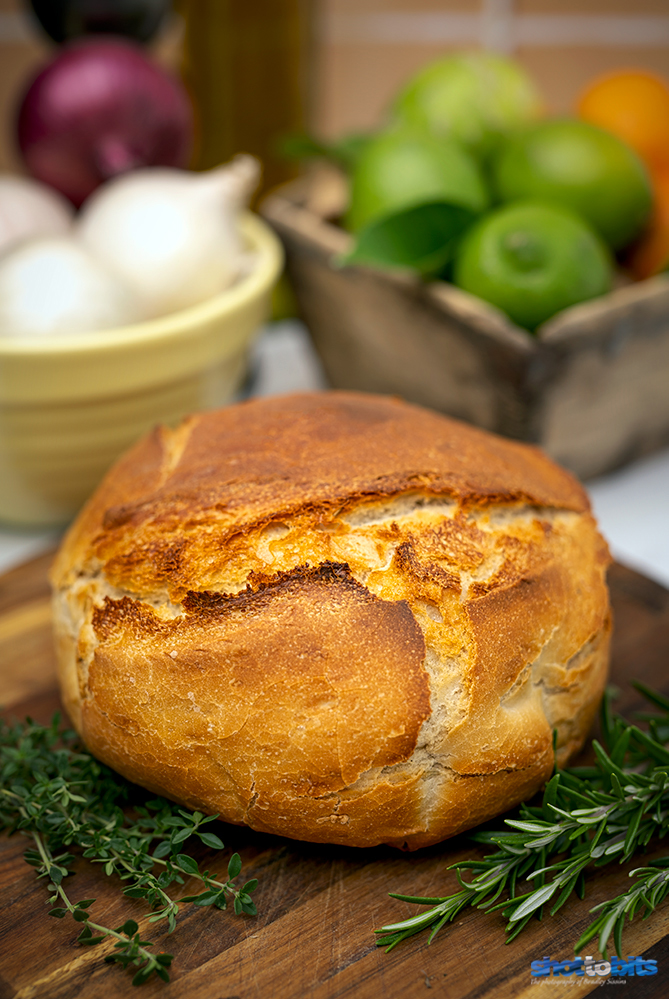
{"x": 317, "y": 905}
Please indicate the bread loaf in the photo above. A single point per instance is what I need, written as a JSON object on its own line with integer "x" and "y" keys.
{"x": 335, "y": 617}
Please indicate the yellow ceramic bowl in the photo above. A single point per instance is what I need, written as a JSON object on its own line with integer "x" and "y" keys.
{"x": 70, "y": 405}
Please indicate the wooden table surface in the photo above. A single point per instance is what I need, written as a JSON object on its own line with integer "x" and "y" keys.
{"x": 317, "y": 905}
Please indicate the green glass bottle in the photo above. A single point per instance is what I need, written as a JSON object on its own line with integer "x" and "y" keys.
{"x": 247, "y": 66}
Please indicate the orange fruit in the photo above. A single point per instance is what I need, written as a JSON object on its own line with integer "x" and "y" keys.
{"x": 650, "y": 254}
{"x": 634, "y": 105}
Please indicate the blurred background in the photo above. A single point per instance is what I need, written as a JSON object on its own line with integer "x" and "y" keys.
{"x": 259, "y": 71}
{"x": 361, "y": 51}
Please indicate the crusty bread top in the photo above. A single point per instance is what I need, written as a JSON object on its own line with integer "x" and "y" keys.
{"x": 234, "y": 469}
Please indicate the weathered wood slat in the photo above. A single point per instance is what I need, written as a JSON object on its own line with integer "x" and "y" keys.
{"x": 318, "y": 905}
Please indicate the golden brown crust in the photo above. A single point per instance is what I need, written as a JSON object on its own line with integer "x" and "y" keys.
{"x": 274, "y": 458}
{"x": 335, "y": 617}
{"x": 308, "y": 664}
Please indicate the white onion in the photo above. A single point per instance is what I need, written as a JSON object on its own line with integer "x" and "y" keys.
{"x": 171, "y": 234}
{"x": 52, "y": 285}
{"x": 28, "y": 208}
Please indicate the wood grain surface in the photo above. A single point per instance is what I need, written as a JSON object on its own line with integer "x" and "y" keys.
{"x": 317, "y": 905}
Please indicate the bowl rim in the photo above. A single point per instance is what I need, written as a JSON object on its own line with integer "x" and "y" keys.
{"x": 263, "y": 242}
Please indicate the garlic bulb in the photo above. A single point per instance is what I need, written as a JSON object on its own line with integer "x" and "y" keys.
{"x": 52, "y": 285}
{"x": 28, "y": 208}
{"x": 171, "y": 234}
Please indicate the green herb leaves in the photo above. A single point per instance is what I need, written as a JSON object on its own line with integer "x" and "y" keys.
{"x": 421, "y": 238}
{"x": 53, "y": 791}
{"x": 588, "y": 817}
{"x": 217, "y": 895}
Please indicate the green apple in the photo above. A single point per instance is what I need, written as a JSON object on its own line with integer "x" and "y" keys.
{"x": 532, "y": 260}
{"x": 476, "y": 98}
{"x": 403, "y": 168}
{"x": 575, "y": 164}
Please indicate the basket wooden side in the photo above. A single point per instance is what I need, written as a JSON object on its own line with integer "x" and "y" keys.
{"x": 592, "y": 387}
{"x": 379, "y": 331}
{"x": 602, "y": 389}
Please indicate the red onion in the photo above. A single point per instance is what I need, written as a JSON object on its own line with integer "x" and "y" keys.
{"x": 98, "y": 109}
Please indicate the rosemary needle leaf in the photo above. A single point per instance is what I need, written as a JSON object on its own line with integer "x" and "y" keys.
{"x": 416, "y": 898}
{"x": 589, "y": 816}
{"x": 652, "y": 695}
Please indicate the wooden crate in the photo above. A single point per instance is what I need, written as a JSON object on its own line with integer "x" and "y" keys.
{"x": 592, "y": 387}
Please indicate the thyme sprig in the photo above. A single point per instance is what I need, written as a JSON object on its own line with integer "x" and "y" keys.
{"x": 54, "y": 791}
{"x": 589, "y": 817}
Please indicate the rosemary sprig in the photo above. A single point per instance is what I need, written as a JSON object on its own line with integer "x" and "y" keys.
{"x": 589, "y": 817}
{"x": 57, "y": 793}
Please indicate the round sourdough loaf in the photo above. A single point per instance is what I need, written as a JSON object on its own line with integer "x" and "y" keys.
{"x": 336, "y": 617}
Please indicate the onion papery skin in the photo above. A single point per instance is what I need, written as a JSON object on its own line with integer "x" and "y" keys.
{"x": 53, "y": 286}
{"x": 98, "y": 109}
{"x": 67, "y": 19}
{"x": 29, "y": 209}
